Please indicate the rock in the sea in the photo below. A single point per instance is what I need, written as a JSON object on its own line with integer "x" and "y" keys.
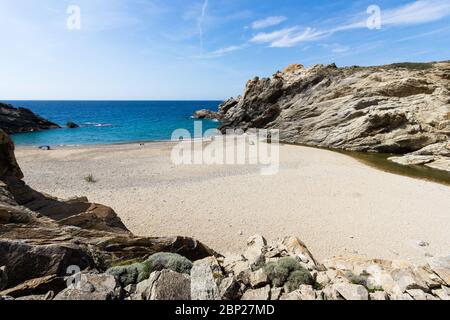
{"x": 15, "y": 120}
{"x": 206, "y": 114}
{"x": 257, "y": 294}
{"x": 398, "y": 108}
{"x": 72, "y": 125}
{"x": 206, "y": 275}
{"x": 92, "y": 286}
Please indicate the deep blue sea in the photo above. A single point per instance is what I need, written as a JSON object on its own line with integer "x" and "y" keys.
{"x": 109, "y": 122}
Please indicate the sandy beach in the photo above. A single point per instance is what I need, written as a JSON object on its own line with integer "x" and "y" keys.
{"x": 334, "y": 203}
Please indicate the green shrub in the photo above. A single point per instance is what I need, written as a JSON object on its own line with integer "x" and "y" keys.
{"x": 288, "y": 270}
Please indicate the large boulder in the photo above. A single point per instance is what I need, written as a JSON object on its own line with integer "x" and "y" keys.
{"x": 14, "y": 120}
{"x": 399, "y": 108}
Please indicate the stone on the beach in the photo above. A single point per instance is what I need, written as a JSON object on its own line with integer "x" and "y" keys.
{"x": 257, "y": 294}
{"x": 206, "y": 275}
{"x": 441, "y": 266}
{"x": 443, "y": 293}
{"x": 388, "y": 109}
{"x": 351, "y": 291}
{"x": 164, "y": 285}
{"x": 229, "y": 289}
{"x": 92, "y": 286}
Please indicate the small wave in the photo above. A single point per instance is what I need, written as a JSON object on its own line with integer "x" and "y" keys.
{"x": 96, "y": 124}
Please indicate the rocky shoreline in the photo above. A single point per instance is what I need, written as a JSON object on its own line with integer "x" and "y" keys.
{"x": 402, "y": 109}
{"x": 16, "y": 120}
{"x": 43, "y": 240}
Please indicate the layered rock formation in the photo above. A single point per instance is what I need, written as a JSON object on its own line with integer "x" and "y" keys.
{"x": 76, "y": 250}
{"x": 15, "y": 120}
{"x": 401, "y": 109}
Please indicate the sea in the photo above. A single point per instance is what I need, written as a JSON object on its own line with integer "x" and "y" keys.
{"x": 113, "y": 122}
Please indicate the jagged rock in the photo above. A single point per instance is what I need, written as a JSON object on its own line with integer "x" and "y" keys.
{"x": 14, "y": 120}
{"x": 275, "y": 293}
{"x": 92, "y": 286}
{"x": 206, "y": 275}
{"x": 257, "y": 294}
{"x": 443, "y": 293}
{"x": 3, "y": 278}
{"x": 72, "y": 125}
{"x": 164, "y": 285}
{"x": 38, "y": 286}
{"x": 256, "y": 247}
{"x": 229, "y": 289}
{"x": 417, "y": 294}
{"x": 41, "y": 236}
{"x": 351, "y": 291}
{"x": 441, "y": 266}
{"x": 206, "y": 114}
{"x": 350, "y": 108}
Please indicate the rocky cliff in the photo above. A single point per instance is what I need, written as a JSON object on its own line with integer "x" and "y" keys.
{"x": 15, "y": 120}
{"x": 44, "y": 239}
{"x": 401, "y": 109}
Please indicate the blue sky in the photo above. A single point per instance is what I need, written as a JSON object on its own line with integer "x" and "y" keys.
{"x": 205, "y": 49}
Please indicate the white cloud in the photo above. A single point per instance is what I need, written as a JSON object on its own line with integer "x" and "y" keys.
{"x": 268, "y": 22}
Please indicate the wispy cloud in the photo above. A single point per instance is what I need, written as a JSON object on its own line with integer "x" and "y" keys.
{"x": 268, "y": 22}
{"x": 201, "y": 19}
{"x": 221, "y": 52}
{"x": 418, "y": 12}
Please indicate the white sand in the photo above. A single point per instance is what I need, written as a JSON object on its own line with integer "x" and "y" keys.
{"x": 336, "y": 204}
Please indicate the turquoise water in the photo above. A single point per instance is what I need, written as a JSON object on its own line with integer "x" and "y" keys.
{"x": 109, "y": 122}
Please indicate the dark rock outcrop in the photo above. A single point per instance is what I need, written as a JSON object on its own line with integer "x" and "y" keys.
{"x": 41, "y": 236}
{"x": 398, "y": 109}
{"x": 15, "y": 120}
